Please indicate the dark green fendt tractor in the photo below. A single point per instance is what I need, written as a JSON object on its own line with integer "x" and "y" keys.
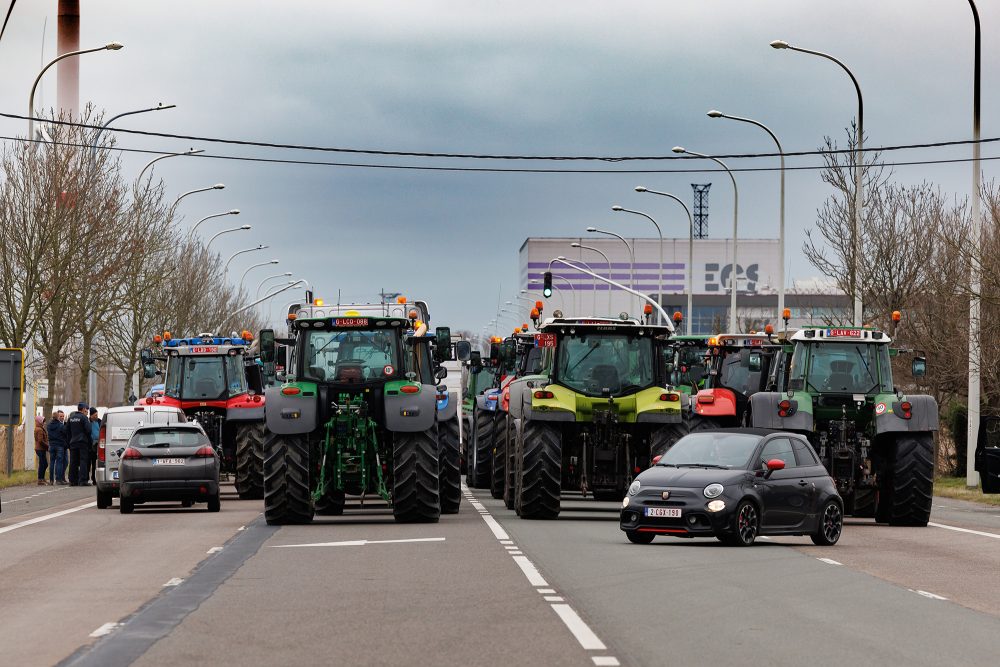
{"x": 356, "y": 415}
{"x": 835, "y": 385}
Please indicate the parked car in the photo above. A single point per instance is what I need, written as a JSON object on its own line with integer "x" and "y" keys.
{"x": 117, "y": 427}
{"x": 169, "y": 463}
{"x": 734, "y": 484}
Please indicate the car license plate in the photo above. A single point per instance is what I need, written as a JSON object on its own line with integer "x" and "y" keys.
{"x": 177, "y": 462}
{"x": 114, "y": 474}
{"x": 665, "y": 512}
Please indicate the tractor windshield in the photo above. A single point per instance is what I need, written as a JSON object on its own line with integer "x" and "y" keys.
{"x": 846, "y": 368}
{"x": 689, "y": 366}
{"x": 603, "y": 364}
{"x": 350, "y": 356}
{"x": 212, "y": 378}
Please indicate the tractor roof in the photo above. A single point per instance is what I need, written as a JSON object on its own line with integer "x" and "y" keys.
{"x": 399, "y": 311}
{"x": 841, "y": 335}
{"x": 206, "y": 344}
{"x": 602, "y": 323}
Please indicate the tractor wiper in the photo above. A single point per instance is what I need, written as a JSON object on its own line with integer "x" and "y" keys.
{"x": 857, "y": 348}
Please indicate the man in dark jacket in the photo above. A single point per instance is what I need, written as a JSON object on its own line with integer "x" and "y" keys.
{"x": 78, "y": 429}
{"x": 57, "y": 448}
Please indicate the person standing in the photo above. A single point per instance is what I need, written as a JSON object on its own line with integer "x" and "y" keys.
{"x": 95, "y": 436}
{"x": 57, "y": 448}
{"x": 78, "y": 431}
{"x": 41, "y": 449}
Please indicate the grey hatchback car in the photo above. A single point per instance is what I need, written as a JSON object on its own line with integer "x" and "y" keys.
{"x": 169, "y": 462}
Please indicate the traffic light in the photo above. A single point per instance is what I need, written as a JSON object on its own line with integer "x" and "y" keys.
{"x": 547, "y": 284}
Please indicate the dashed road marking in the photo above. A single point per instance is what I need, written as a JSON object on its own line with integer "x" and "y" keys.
{"x": 588, "y": 640}
{"x": 105, "y": 629}
{"x": 554, "y": 598}
{"x": 358, "y": 543}
{"x": 932, "y": 596}
{"x": 534, "y": 577}
{"x": 506, "y": 541}
{"x": 964, "y": 530}
{"x": 829, "y": 561}
{"x": 546, "y": 591}
{"x": 605, "y": 661}
{"x": 176, "y": 581}
{"x": 214, "y": 550}
{"x": 45, "y": 517}
{"x": 497, "y": 529}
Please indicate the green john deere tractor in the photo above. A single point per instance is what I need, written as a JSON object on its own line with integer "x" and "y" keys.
{"x": 835, "y": 386}
{"x": 587, "y": 422}
{"x": 357, "y": 414}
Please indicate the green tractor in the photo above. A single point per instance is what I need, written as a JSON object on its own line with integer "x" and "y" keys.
{"x": 357, "y": 413}
{"x": 835, "y": 386}
{"x": 588, "y": 421}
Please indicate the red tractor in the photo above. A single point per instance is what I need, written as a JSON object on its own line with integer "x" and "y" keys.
{"x": 217, "y": 381}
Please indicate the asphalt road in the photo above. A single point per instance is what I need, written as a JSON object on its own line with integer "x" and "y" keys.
{"x": 481, "y": 588}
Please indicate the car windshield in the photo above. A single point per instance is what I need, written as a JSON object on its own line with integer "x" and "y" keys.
{"x": 728, "y": 450}
{"x": 850, "y": 368}
{"x": 214, "y": 377}
{"x": 350, "y": 356}
{"x": 599, "y": 364}
{"x": 169, "y": 437}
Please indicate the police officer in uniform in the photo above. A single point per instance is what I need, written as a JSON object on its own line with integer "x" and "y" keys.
{"x": 80, "y": 439}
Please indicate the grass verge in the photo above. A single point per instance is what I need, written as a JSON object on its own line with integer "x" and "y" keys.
{"x": 954, "y": 487}
{"x": 19, "y": 478}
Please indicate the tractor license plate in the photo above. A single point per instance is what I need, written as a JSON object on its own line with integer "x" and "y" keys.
{"x": 664, "y": 512}
{"x": 114, "y": 474}
{"x": 173, "y": 462}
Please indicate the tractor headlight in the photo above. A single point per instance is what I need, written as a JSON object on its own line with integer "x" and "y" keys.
{"x": 713, "y": 490}
{"x": 634, "y": 488}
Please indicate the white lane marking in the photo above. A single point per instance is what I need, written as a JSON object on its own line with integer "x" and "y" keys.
{"x": 358, "y": 543}
{"x": 511, "y": 547}
{"x": 606, "y": 661}
{"x": 829, "y": 561}
{"x": 932, "y": 596}
{"x": 534, "y": 577}
{"x": 517, "y": 553}
{"x": 242, "y": 528}
{"x": 46, "y": 517}
{"x": 506, "y": 541}
{"x": 214, "y": 550}
{"x": 964, "y": 530}
{"x": 105, "y": 629}
{"x": 176, "y": 581}
{"x": 498, "y": 531}
{"x": 554, "y": 598}
{"x": 588, "y": 640}
{"x": 546, "y": 591}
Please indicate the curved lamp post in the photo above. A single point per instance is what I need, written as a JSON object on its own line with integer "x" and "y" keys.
{"x": 690, "y": 267}
{"x": 620, "y": 209}
{"x": 93, "y": 147}
{"x": 190, "y": 151}
{"x": 234, "y": 211}
{"x": 260, "y": 285}
{"x": 217, "y": 186}
{"x": 628, "y": 246}
{"x": 256, "y": 266}
{"x": 241, "y": 252}
{"x": 606, "y": 259}
{"x": 226, "y": 231}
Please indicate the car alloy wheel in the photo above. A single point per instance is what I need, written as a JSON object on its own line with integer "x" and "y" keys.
{"x": 746, "y": 524}
{"x": 833, "y": 523}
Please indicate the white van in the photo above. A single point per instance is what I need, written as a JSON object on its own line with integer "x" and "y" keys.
{"x": 116, "y": 429}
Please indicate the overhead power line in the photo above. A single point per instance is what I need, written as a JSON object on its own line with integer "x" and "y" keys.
{"x": 479, "y": 156}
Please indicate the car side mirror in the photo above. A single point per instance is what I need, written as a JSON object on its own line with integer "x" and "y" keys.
{"x": 656, "y": 459}
{"x": 463, "y": 350}
{"x": 918, "y": 367}
{"x": 772, "y": 465}
{"x": 267, "y": 348}
{"x": 755, "y": 362}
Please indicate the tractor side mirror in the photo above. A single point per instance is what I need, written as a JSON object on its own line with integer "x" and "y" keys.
{"x": 146, "y": 356}
{"x": 918, "y": 367}
{"x": 494, "y": 353}
{"x": 149, "y": 370}
{"x": 440, "y": 373}
{"x": 476, "y": 362}
{"x": 463, "y": 350}
{"x": 756, "y": 363}
{"x": 508, "y": 353}
{"x": 670, "y": 367}
{"x": 267, "y": 348}
{"x": 442, "y": 344}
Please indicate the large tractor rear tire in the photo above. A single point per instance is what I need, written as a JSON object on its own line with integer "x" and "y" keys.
{"x": 912, "y": 480}
{"x": 498, "y": 463}
{"x": 287, "y": 497}
{"x": 863, "y": 504}
{"x": 250, "y": 461}
{"x": 480, "y": 450}
{"x": 539, "y": 471}
{"x": 510, "y": 473}
{"x": 450, "y": 477}
{"x": 415, "y": 488}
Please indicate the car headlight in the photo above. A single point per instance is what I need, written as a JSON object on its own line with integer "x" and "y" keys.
{"x": 716, "y": 505}
{"x": 713, "y": 490}
{"x": 625, "y": 502}
{"x": 634, "y": 488}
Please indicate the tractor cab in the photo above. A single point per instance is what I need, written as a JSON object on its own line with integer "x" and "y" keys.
{"x": 736, "y": 367}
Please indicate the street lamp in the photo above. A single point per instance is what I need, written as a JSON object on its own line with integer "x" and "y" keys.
{"x": 619, "y": 209}
{"x": 234, "y": 211}
{"x": 858, "y": 169}
{"x": 631, "y": 251}
{"x": 111, "y": 46}
{"x": 736, "y": 209}
{"x": 226, "y": 231}
{"x": 241, "y": 252}
{"x": 690, "y": 267}
{"x": 217, "y": 186}
{"x": 971, "y": 476}
{"x": 255, "y": 266}
{"x": 593, "y": 280}
{"x": 159, "y": 107}
{"x": 190, "y": 151}
{"x": 606, "y": 259}
{"x": 781, "y": 218}
{"x": 287, "y": 274}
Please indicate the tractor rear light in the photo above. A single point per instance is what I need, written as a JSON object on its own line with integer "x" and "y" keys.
{"x": 670, "y": 398}
{"x": 706, "y": 398}
{"x": 149, "y": 401}
{"x": 101, "y": 456}
{"x": 410, "y": 388}
{"x": 785, "y": 408}
{"x": 256, "y": 398}
{"x": 291, "y": 391}
{"x": 131, "y": 453}
{"x": 205, "y": 452}
{"x": 906, "y": 408}
{"x": 541, "y": 393}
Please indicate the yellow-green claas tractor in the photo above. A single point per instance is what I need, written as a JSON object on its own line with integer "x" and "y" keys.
{"x": 586, "y": 422}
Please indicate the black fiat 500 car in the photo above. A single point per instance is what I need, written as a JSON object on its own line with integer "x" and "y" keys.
{"x": 734, "y": 484}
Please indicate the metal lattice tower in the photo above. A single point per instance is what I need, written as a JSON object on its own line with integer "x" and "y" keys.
{"x": 701, "y": 210}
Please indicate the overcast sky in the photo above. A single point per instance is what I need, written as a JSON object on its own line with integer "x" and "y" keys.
{"x": 580, "y": 77}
